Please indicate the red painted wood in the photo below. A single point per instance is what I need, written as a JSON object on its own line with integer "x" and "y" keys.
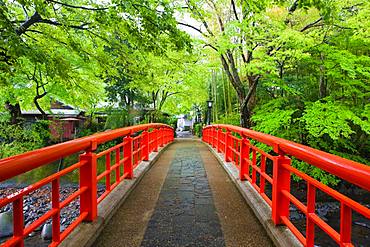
{"x": 87, "y": 192}
{"x": 348, "y": 170}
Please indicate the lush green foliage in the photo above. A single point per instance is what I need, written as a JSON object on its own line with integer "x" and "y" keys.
{"x": 16, "y": 139}
{"x": 299, "y": 70}
{"x": 66, "y": 51}
{"x": 198, "y": 129}
{"x": 312, "y": 62}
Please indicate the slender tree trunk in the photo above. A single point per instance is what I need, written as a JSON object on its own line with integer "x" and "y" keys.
{"x": 129, "y": 120}
{"x": 248, "y": 103}
{"x": 230, "y": 97}
{"x": 245, "y": 116}
{"x": 224, "y": 93}
{"x": 15, "y": 112}
{"x": 247, "y": 99}
{"x": 214, "y": 87}
{"x": 43, "y": 113}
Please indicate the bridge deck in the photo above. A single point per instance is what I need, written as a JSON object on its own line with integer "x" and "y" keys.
{"x": 186, "y": 199}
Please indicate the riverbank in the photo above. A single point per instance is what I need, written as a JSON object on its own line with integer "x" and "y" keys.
{"x": 37, "y": 204}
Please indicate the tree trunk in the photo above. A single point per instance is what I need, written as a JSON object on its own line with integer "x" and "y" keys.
{"x": 35, "y": 101}
{"x": 247, "y": 99}
{"x": 248, "y": 102}
{"x": 215, "y": 99}
{"x": 245, "y": 121}
{"x": 15, "y": 112}
{"x": 224, "y": 94}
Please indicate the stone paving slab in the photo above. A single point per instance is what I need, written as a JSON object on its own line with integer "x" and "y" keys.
{"x": 185, "y": 214}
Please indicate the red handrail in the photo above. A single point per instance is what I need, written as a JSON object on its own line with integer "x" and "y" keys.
{"x": 19, "y": 164}
{"x": 244, "y": 155}
{"x": 133, "y": 149}
{"x": 348, "y": 170}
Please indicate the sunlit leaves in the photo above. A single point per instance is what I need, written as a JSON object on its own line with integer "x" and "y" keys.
{"x": 76, "y": 45}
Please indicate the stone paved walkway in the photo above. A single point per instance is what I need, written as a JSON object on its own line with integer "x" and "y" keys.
{"x": 184, "y": 134}
{"x": 185, "y": 199}
{"x": 185, "y": 214}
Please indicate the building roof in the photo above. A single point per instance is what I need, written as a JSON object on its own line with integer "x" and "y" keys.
{"x": 52, "y": 112}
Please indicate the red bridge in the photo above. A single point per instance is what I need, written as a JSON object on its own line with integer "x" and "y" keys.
{"x": 138, "y": 186}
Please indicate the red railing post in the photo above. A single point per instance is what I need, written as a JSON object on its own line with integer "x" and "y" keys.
{"x": 146, "y": 149}
{"x": 159, "y": 131}
{"x": 219, "y": 133}
{"x": 213, "y": 134}
{"x": 281, "y": 181}
{"x": 208, "y": 136}
{"x": 227, "y": 146}
{"x": 150, "y": 137}
{"x": 310, "y": 225}
{"x": 127, "y": 154}
{"x": 164, "y": 136}
{"x": 168, "y": 139}
{"x": 161, "y": 137}
{"x": 107, "y": 168}
{"x": 254, "y": 164}
{"x": 155, "y": 138}
{"x": 88, "y": 199}
{"x": 244, "y": 158}
{"x": 18, "y": 221}
{"x": 55, "y": 205}
{"x": 345, "y": 224}
{"x": 215, "y": 138}
{"x": 117, "y": 160}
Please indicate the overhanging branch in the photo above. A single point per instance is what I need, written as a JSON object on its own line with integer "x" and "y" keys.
{"x": 77, "y": 7}
{"x": 234, "y": 9}
{"x": 310, "y": 25}
{"x": 195, "y": 28}
{"x": 36, "y": 18}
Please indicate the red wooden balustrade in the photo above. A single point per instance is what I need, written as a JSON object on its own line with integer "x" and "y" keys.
{"x": 234, "y": 143}
{"x": 147, "y": 139}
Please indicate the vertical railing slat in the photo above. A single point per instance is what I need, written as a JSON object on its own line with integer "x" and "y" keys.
{"x": 107, "y": 168}
{"x": 345, "y": 223}
{"x": 244, "y": 153}
{"x": 88, "y": 199}
{"x": 281, "y": 181}
{"x": 310, "y": 225}
{"x": 128, "y": 155}
{"x": 18, "y": 221}
{"x": 254, "y": 163}
{"x": 263, "y": 171}
{"x": 55, "y": 205}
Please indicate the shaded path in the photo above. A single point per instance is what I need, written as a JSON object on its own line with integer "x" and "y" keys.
{"x": 186, "y": 199}
{"x": 185, "y": 214}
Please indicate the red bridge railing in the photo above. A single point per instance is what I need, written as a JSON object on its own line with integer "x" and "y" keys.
{"x": 234, "y": 143}
{"x": 135, "y": 149}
